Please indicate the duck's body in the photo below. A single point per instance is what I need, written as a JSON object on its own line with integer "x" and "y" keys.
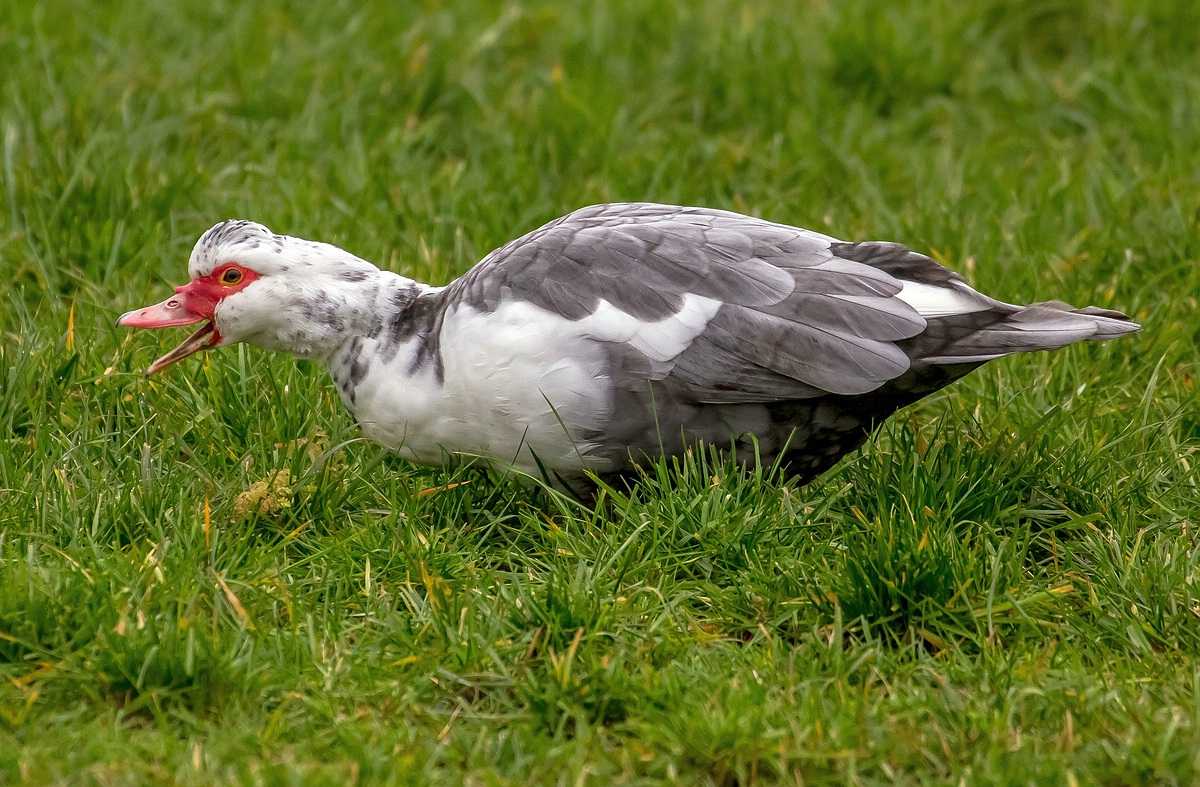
{"x": 617, "y": 333}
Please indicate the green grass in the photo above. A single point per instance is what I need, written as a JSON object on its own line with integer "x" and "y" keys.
{"x": 1003, "y": 587}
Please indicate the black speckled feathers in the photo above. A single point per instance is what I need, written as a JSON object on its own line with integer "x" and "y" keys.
{"x": 237, "y": 232}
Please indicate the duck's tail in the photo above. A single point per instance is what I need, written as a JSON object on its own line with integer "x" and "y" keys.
{"x": 1007, "y": 329}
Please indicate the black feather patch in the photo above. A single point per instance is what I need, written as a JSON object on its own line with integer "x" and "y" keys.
{"x": 898, "y": 260}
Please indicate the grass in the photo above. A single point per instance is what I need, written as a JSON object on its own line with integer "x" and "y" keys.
{"x": 1001, "y": 588}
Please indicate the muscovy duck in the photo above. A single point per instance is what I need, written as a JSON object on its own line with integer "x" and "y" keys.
{"x": 616, "y": 334}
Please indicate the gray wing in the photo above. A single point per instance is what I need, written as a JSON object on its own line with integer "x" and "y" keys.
{"x": 796, "y": 320}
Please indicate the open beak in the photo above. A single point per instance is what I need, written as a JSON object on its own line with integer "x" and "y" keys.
{"x": 170, "y": 313}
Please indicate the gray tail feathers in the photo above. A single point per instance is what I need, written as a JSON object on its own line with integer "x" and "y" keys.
{"x": 1020, "y": 329}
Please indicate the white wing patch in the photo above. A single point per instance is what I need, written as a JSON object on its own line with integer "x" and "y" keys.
{"x": 931, "y": 301}
{"x": 660, "y": 341}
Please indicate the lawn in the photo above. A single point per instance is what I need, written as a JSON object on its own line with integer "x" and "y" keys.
{"x": 207, "y": 578}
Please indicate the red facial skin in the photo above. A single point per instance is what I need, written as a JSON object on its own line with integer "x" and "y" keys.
{"x": 202, "y": 295}
{"x": 192, "y": 303}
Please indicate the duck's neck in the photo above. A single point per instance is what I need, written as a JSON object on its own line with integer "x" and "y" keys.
{"x": 341, "y": 313}
{"x": 387, "y": 317}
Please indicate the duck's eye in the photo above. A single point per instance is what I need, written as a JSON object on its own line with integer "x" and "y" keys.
{"x": 231, "y": 276}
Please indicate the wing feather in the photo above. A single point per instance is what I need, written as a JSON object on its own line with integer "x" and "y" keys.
{"x": 794, "y": 319}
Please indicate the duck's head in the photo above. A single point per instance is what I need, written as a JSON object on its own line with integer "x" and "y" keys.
{"x": 251, "y": 285}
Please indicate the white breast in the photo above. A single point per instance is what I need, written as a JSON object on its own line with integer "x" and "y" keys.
{"x": 517, "y": 383}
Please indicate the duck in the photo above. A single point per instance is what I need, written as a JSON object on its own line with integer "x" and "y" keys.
{"x": 615, "y": 335}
